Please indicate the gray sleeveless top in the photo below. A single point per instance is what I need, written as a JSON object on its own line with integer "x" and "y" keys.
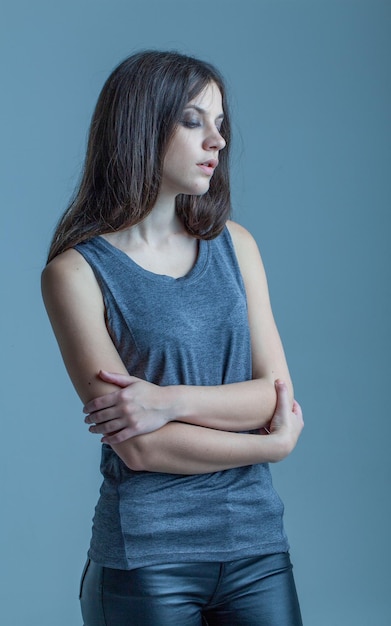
{"x": 191, "y": 330}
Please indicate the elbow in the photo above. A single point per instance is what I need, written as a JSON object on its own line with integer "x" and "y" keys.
{"x": 135, "y": 453}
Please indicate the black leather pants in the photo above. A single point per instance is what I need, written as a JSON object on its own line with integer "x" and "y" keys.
{"x": 248, "y": 592}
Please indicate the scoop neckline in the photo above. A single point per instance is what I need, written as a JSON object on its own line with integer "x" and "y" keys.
{"x": 193, "y": 274}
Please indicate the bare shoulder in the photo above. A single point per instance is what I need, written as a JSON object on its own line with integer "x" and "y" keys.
{"x": 67, "y": 269}
{"x": 246, "y": 247}
{"x": 68, "y": 281}
{"x": 67, "y": 264}
{"x": 240, "y": 235}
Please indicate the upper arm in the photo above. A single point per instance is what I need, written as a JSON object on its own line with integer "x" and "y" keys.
{"x": 267, "y": 351}
{"x": 75, "y": 308}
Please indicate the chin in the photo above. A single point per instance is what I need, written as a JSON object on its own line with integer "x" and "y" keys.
{"x": 200, "y": 190}
{"x": 194, "y": 190}
{"x": 200, "y": 193}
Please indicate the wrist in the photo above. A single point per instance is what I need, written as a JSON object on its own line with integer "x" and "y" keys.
{"x": 278, "y": 447}
{"x": 172, "y": 402}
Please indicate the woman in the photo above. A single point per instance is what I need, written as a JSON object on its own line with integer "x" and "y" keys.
{"x": 161, "y": 310}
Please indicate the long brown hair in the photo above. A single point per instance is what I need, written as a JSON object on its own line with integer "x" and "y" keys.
{"x": 137, "y": 111}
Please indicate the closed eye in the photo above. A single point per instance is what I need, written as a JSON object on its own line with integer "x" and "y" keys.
{"x": 190, "y": 123}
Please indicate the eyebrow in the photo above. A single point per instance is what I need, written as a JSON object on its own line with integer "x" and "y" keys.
{"x": 202, "y": 111}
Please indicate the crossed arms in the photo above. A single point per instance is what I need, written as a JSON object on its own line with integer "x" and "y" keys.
{"x": 174, "y": 429}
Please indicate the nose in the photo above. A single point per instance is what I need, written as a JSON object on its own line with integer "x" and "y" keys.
{"x": 214, "y": 141}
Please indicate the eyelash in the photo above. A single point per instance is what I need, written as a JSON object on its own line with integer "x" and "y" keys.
{"x": 190, "y": 124}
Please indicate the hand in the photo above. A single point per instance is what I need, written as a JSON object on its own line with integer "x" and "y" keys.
{"x": 287, "y": 422}
{"x": 138, "y": 407}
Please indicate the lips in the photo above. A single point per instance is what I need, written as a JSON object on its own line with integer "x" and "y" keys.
{"x": 208, "y": 166}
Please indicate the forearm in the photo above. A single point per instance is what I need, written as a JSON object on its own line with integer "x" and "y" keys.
{"x": 233, "y": 407}
{"x": 140, "y": 407}
{"x": 185, "y": 449}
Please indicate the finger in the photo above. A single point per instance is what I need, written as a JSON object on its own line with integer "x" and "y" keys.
{"x": 107, "y": 428}
{"x": 101, "y": 403}
{"x": 103, "y": 415}
{"x": 122, "y": 380}
{"x": 282, "y": 396}
{"x": 297, "y": 410}
{"x": 119, "y": 437}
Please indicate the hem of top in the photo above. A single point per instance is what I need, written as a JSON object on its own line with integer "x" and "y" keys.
{"x": 186, "y": 557}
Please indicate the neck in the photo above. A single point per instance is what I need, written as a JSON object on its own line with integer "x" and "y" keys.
{"x": 161, "y": 223}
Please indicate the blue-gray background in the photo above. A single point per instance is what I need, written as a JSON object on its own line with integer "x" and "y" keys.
{"x": 310, "y": 84}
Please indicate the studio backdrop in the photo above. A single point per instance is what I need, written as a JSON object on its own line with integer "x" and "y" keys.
{"x": 309, "y": 84}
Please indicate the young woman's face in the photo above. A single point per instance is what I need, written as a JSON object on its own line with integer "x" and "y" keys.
{"x": 193, "y": 152}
